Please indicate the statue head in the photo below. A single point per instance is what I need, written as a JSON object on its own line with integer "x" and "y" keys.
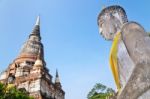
{"x": 110, "y": 21}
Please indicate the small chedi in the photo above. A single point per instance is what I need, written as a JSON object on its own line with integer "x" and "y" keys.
{"x": 129, "y": 55}
{"x": 29, "y": 72}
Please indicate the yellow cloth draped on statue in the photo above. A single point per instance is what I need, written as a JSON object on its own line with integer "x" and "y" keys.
{"x": 114, "y": 61}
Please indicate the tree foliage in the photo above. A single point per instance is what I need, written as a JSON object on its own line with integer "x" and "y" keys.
{"x": 12, "y": 93}
{"x": 100, "y": 91}
{"x": 148, "y": 34}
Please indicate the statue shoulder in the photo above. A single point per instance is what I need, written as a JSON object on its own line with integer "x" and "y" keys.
{"x": 135, "y": 38}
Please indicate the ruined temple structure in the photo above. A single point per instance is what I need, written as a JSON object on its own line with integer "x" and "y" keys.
{"x": 29, "y": 72}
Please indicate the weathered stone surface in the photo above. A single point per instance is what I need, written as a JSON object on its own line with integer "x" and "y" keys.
{"x": 110, "y": 21}
{"x": 137, "y": 43}
{"x": 28, "y": 70}
{"x": 125, "y": 64}
{"x": 133, "y": 52}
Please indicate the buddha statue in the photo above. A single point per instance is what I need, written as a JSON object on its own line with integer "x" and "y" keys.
{"x": 130, "y": 53}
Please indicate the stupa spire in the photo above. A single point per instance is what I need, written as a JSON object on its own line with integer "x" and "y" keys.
{"x": 57, "y": 80}
{"x": 36, "y": 29}
{"x": 38, "y": 21}
{"x": 57, "y": 77}
{"x": 33, "y": 44}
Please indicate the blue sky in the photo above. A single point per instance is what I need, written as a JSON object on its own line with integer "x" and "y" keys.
{"x": 70, "y": 36}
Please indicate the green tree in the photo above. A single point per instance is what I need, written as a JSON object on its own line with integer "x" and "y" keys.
{"x": 148, "y": 33}
{"x": 100, "y": 91}
{"x": 12, "y": 93}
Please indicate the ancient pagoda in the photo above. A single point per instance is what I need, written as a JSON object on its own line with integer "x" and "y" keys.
{"x": 29, "y": 72}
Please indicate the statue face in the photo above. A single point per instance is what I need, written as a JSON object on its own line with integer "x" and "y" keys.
{"x": 110, "y": 27}
{"x": 110, "y": 21}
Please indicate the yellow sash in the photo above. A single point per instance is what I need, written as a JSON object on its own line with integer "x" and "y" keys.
{"x": 114, "y": 61}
